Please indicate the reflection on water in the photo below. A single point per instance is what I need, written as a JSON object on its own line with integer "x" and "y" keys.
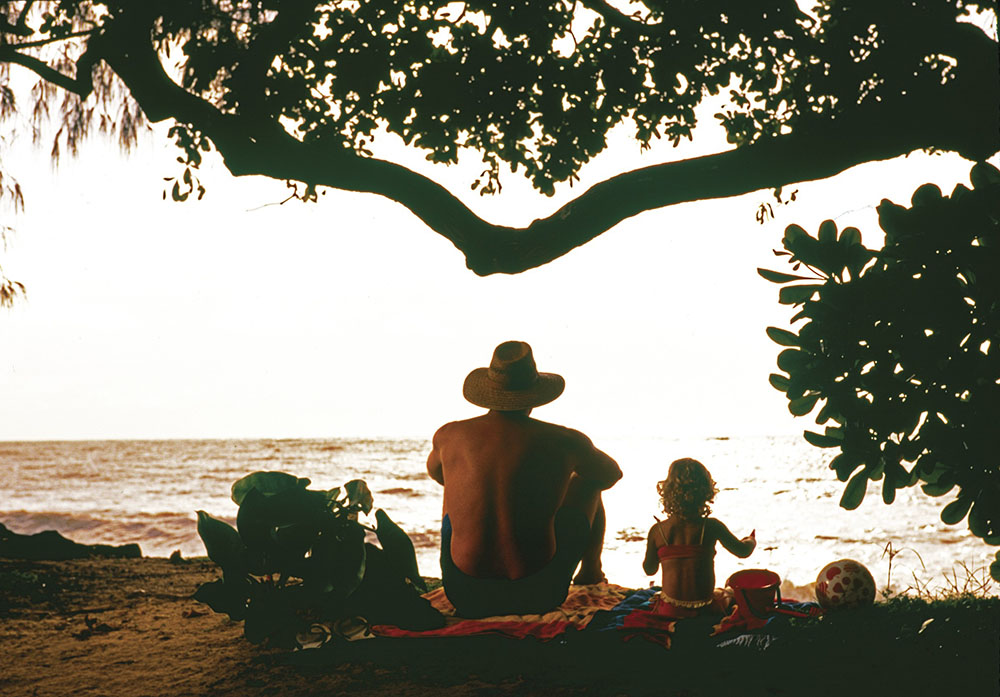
{"x": 147, "y": 491}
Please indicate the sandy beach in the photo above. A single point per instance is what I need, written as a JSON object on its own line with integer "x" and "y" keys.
{"x": 129, "y": 628}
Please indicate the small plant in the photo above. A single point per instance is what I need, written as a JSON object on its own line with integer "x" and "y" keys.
{"x": 974, "y": 581}
{"x": 892, "y": 553}
{"x": 298, "y": 559}
{"x": 963, "y": 581}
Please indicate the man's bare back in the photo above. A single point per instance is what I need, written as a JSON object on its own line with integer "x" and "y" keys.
{"x": 505, "y": 476}
{"x": 522, "y": 497}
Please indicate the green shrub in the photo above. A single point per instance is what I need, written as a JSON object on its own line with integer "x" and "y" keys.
{"x": 898, "y": 349}
{"x": 298, "y": 559}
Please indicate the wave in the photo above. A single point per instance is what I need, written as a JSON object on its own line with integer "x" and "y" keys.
{"x": 157, "y": 534}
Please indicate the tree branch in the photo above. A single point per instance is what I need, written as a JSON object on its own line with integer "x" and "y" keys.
{"x": 616, "y": 18}
{"x": 54, "y": 39}
{"x": 82, "y": 84}
{"x": 22, "y": 19}
{"x": 962, "y": 117}
{"x": 248, "y": 76}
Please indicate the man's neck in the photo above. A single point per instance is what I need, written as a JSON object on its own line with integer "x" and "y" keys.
{"x": 519, "y": 414}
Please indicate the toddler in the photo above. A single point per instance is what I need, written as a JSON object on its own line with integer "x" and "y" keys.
{"x": 683, "y": 545}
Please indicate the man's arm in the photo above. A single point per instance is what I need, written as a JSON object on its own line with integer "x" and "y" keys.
{"x": 434, "y": 465}
{"x": 595, "y": 465}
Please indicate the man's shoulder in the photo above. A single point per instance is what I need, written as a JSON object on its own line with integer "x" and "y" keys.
{"x": 450, "y": 428}
{"x": 458, "y": 429}
{"x": 460, "y": 423}
{"x": 563, "y": 434}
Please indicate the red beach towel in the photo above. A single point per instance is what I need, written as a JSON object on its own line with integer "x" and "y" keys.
{"x": 580, "y": 606}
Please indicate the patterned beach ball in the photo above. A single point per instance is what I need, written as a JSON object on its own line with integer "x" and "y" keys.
{"x": 845, "y": 583}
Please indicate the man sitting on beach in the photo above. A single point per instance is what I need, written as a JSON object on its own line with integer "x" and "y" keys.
{"x": 522, "y": 497}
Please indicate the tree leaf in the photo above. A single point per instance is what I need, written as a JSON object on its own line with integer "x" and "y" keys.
{"x": 267, "y": 483}
{"x": 793, "y": 234}
{"x": 854, "y": 492}
{"x": 254, "y": 524}
{"x": 826, "y": 413}
{"x": 845, "y": 464}
{"x": 938, "y": 489}
{"x": 399, "y": 549}
{"x": 803, "y": 405}
{"x": 891, "y": 483}
{"x": 821, "y": 441}
{"x": 778, "y": 382}
{"x": 226, "y": 597}
{"x": 850, "y": 236}
{"x": 790, "y": 360}
{"x": 983, "y": 175}
{"x": 778, "y": 277}
{"x": 782, "y": 337}
{"x": 979, "y": 519}
{"x": 222, "y": 543}
{"x": 358, "y": 494}
{"x": 827, "y": 232}
{"x": 792, "y": 295}
{"x": 888, "y": 492}
{"x": 956, "y": 510}
{"x": 926, "y": 194}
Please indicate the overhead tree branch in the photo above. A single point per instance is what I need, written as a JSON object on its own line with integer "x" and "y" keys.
{"x": 258, "y": 146}
{"x": 54, "y": 39}
{"x": 82, "y": 84}
{"x": 22, "y": 19}
{"x": 616, "y": 18}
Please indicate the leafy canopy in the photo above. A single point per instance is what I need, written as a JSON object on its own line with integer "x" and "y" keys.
{"x": 298, "y": 90}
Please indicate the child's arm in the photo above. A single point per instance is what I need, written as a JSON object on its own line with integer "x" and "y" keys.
{"x": 741, "y": 548}
{"x": 651, "y": 562}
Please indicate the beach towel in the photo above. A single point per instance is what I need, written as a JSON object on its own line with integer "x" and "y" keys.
{"x": 581, "y": 605}
{"x": 634, "y": 618}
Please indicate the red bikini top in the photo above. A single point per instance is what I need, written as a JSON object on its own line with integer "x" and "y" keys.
{"x": 698, "y": 551}
{"x": 684, "y": 552}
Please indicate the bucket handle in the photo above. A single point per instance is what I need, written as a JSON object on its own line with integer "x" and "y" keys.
{"x": 777, "y": 599}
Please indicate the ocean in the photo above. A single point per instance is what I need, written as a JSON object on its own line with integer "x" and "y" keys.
{"x": 146, "y": 492}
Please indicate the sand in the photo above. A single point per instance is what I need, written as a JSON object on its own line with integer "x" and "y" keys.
{"x": 129, "y": 628}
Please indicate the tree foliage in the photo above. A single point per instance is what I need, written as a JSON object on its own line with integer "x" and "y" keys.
{"x": 297, "y": 90}
{"x": 900, "y": 349}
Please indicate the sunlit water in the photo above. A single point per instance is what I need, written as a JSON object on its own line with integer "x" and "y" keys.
{"x": 147, "y": 491}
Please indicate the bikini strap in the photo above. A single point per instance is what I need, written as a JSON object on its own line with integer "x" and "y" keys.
{"x": 659, "y": 529}
{"x": 701, "y": 540}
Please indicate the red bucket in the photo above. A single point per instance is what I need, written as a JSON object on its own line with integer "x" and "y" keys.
{"x": 756, "y": 592}
{"x": 758, "y": 596}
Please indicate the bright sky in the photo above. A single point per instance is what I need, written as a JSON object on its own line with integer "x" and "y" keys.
{"x": 231, "y": 318}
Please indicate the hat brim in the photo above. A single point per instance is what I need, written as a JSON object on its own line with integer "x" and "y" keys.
{"x": 483, "y": 392}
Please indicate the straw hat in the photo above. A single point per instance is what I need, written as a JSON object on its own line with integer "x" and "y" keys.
{"x": 512, "y": 382}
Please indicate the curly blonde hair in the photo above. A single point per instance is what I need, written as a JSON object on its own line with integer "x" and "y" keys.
{"x": 687, "y": 490}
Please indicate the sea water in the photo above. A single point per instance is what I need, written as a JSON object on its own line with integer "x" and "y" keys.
{"x": 146, "y": 492}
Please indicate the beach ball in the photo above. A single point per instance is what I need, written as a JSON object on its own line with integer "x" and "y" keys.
{"x": 845, "y": 583}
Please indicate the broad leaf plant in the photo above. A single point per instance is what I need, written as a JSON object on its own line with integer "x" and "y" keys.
{"x": 298, "y": 561}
